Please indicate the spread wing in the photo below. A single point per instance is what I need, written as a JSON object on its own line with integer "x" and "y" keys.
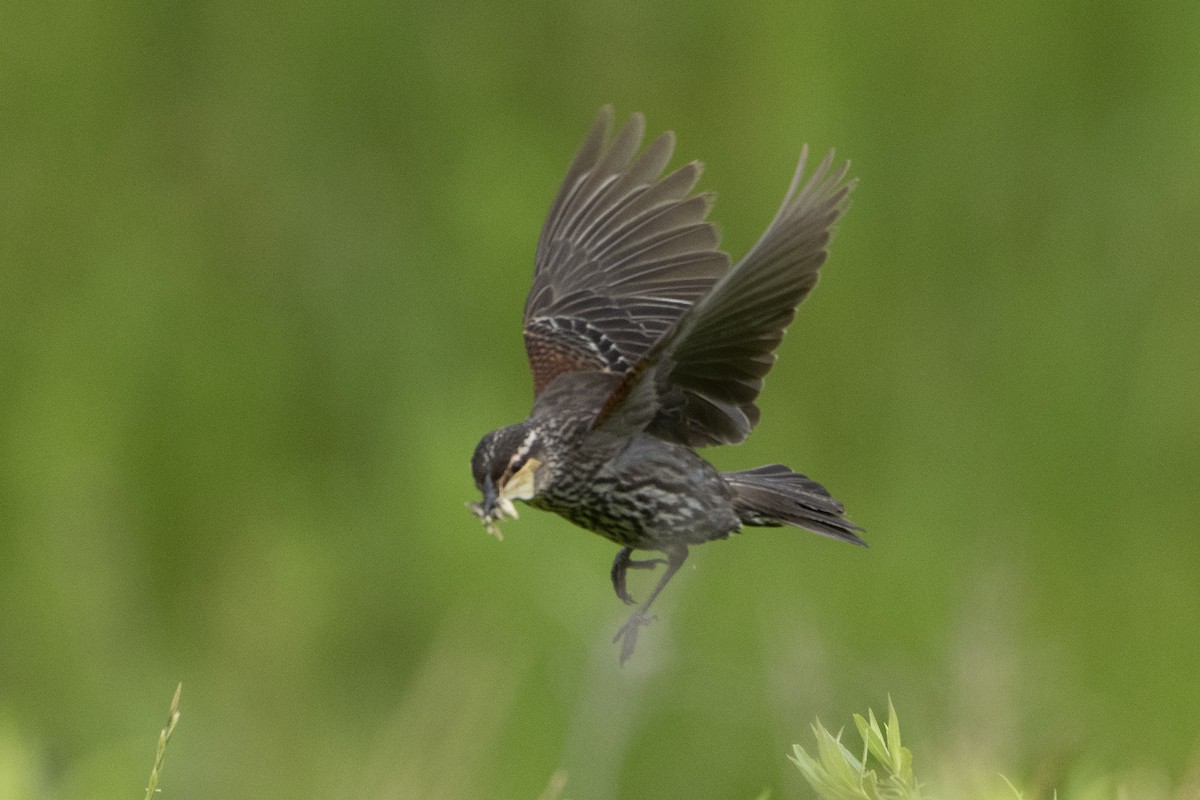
{"x": 698, "y": 384}
{"x": 624, "y": 253}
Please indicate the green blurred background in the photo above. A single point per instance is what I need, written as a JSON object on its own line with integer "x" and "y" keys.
{"x": 261, "y": 275}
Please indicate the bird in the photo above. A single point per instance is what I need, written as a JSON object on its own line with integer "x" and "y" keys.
{"x": 646, "y": 342}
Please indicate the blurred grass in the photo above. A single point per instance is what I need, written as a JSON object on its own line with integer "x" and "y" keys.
{"x": 261, "y": 273}
{"x": 160, "y": 751}
{"x": 881, "y": 768}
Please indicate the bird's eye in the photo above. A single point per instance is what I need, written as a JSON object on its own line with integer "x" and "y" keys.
{"x": 517, "y": 463}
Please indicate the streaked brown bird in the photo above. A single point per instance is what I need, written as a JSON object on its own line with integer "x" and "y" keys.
{"x": 644, "y": 344}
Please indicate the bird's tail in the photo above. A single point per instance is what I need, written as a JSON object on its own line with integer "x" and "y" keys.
{"x": 774, "y": 495}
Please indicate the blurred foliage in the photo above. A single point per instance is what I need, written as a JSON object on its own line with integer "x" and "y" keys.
{"x": 261, "y": 275}
{"x": 160, "y": 752}
{"x": 837, "y": 773}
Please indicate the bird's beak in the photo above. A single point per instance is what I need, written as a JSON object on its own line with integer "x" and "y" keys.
{"x": 494, "y": 507}
{"x": 497, "y": 502}
{"x": 490, "y": 497}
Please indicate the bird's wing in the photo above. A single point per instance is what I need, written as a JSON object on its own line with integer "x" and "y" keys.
{"x": 698, "y": 384}
{"x": 624, "y": 252}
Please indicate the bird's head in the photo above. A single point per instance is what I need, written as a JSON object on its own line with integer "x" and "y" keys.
{"x": 506, "y": 466}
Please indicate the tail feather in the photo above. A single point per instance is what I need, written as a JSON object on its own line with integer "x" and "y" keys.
{"x": 774, "y": 495}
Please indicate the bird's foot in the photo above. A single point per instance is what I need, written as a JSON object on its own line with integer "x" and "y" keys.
{"x": 621, "y": 564}
{"x": 628, "y": 634}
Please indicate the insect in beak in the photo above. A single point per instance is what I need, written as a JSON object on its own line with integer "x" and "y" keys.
{"x": 497, "y": 503}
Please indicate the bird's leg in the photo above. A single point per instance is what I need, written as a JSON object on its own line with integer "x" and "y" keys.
{"x": 623, "y": 562}
{"x": 627, "y": 636}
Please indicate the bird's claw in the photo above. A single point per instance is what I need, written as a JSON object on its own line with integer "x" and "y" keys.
{"x": 628, "y": 633}
{"x": 621, "y": 564}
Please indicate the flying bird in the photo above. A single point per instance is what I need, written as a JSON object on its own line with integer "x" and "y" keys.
{"x": 646, "y": 343}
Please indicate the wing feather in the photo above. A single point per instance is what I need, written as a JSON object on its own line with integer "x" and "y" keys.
{"x": 624, "y": 253}
{"x": 699, "y": 383}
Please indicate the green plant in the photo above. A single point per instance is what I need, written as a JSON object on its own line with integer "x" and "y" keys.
{"x": 883, "y": 772}
{"x": 160, "y": 752}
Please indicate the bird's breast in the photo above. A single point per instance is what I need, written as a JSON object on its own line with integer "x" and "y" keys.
{"x": 647, "y": 494}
